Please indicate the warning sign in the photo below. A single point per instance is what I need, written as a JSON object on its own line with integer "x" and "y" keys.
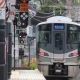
{"x": 24, "y": 7}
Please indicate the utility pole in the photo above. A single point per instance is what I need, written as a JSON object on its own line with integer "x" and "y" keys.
{"x": 14, "y": 41}
{"x": 29, "y": 52}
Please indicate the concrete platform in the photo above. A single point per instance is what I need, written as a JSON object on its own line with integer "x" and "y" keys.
{"x": 26, "y": 75}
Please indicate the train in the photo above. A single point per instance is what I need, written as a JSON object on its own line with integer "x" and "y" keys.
{"x": 58, "y": 47}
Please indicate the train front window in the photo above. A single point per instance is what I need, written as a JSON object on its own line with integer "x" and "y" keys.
{"x": 72, "y": 34}
{"x": 58, "y": 34}
{"x": 45, "y": 33}
{"x": 59, "y": 41}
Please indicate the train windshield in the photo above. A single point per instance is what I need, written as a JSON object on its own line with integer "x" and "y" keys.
{"x": 59, "y": 41}
{"x": 45, "y": 33}
{"x": 58, "y": 37}
{"x": 73, "y": 35}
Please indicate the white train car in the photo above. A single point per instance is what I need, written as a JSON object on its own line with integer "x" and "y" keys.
{"x": 57, "y": 47}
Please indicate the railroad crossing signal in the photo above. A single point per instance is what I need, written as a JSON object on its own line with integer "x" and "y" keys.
{"x": 22, "y": 19}
{"x": 18, "y": 23}
{"x": 22, "y": 34}
{"x": 24, "y": 15}
{"x": 24, "y": 6}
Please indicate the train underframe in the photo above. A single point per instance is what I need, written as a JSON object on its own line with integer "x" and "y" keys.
{"x": 59, "y": 70}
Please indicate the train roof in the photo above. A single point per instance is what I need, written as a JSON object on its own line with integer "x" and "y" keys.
{"x": 59, "y": 19}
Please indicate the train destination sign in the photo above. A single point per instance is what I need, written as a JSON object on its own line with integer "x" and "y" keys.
{"x": 58, "y": 26}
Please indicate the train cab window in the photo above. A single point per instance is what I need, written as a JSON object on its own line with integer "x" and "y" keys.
{"x": 72, "y": 33}
{"x": 45, "y": 33}
{"x": 59, "y": 41}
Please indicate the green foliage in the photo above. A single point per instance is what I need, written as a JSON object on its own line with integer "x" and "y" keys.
{"x": 48, "y": 6}
{"x": 33, "y": 63}
{"x": 46, "y": 9}
{"x": 59, "y": 10}
{"x": 76, "y": 2}
{"x": 33, "y": 66}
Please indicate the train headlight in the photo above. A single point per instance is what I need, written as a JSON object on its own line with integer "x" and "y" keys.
{"x": 46, "y": 54}
{"x": 73, "y": 54}
{"x": 43, "y": 54}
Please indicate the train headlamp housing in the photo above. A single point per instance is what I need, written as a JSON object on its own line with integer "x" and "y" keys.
{"x": 73, "y": 54}
{"x": 43, "y": 54}
{"x": 46, "y": 54}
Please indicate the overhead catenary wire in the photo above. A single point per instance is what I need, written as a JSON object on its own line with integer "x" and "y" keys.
{"x": 37, "y": 11}
{"x": 37, "y": 19}
{"x": 44, "y": 17}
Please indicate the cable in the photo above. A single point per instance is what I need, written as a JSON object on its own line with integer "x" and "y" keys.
{"x": 40, "y": 11}
{"x": 45, "y": 16}
{"x": 37, "y": 19}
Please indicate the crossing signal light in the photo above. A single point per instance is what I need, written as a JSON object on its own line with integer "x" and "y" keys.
{"x": 22, "y": 5}
{"x": 24, "y": 19}
{"x": 21, "y": 40}
{"x": 22, "y": 34}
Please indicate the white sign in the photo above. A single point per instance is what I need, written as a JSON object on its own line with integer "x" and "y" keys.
{"x": 29, "y": 31}
{"x": 2, "y": 13}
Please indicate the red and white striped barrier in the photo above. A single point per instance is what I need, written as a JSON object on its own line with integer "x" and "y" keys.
{"x": 2, "y": 3}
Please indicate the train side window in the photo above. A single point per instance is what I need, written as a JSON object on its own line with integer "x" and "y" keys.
{"x": 45, "y": 33}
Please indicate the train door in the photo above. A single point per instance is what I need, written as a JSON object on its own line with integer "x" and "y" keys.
{"x": 58, "y": 44}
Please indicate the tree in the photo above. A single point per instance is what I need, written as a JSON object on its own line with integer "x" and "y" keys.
{"x": 56, "y": 6}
